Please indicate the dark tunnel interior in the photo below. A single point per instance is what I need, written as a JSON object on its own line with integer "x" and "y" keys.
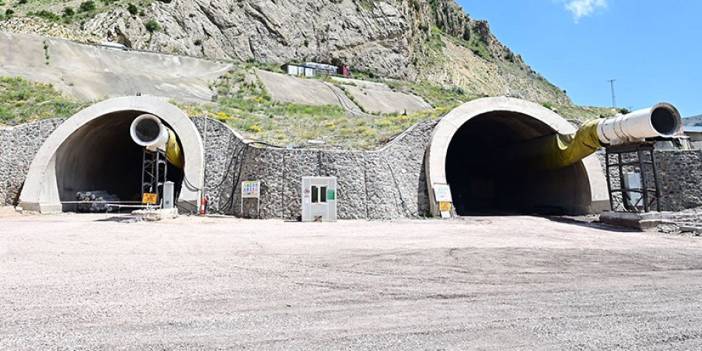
{"x": 101, "y": 156}
{"x": 486, "y": 179}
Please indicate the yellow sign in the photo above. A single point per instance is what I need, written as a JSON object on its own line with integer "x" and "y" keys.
{"x": 149, "y": 199}
{"x": 445, "y": 206}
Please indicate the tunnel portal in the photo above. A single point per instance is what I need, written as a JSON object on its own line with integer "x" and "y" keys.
{"x": 486, "y": 176}
{"x": 101, "y": 156}
{"x": 93, "y": 150}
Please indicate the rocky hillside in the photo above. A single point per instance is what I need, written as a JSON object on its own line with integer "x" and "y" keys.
{"x": 416, "y": 40}
{"x": 694, "y": 121}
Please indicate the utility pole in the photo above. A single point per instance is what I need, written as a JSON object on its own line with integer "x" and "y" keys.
{"x": 614, "y": 97}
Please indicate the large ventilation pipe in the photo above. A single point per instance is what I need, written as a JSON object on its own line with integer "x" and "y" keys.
{"x": 662, "y": 120}
{"x": 559, "y": 151}
{"x": 150, "y": 132}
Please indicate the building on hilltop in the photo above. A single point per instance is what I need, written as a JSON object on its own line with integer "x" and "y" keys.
{"x": 314, "y": 69}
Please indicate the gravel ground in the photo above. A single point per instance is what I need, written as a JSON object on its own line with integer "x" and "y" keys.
{"x": 95, "y": 282}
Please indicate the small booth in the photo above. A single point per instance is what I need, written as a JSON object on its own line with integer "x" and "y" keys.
{"x": 319, "y": 199}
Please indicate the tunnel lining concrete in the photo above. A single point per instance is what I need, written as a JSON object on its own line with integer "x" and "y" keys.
{"x": 590, "y": 170}
{"x": 41, "y": 191}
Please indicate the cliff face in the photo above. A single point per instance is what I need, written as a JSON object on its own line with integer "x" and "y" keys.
{"x": 430, "y": 40}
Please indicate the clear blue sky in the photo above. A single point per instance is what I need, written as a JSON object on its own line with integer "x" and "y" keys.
{"x": 653, "y": 48}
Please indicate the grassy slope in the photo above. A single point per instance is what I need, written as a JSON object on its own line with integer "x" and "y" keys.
{"x": 55, "y": 11}
{"x": 244, "y": 105}
{"x": 22, "y": 101}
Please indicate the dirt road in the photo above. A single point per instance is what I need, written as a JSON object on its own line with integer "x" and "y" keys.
{"x": 496, "y": 283}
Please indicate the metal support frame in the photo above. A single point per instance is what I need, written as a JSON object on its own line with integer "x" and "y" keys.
{"x": 638, "y": 158}
{"x": 154, "y": 172}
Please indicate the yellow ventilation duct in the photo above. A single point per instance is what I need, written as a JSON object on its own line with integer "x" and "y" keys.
{"x": 559, "y": 151}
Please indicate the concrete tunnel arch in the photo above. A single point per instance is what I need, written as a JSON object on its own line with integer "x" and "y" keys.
{"x": 97, "y": 132}
{"x": 462, "y": 154}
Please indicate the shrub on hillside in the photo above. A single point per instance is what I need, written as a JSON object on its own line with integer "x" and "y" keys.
{"x": 68, "y": 12}
{"x": 48, "y": 15}
{"x": 133, "y": 9}
{"x": 87, "y": 6}
{"x": 152, "y": 26}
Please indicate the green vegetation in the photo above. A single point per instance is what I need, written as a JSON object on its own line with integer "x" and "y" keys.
{"x": 69, "y": 11}
{"x": 584, "y": 113}
{"x": 47, "y": 57}
{"x": 23, "y": 101}
{"x": 244, "y": 104}
{"x": 439, "y": 97}
{"x": 50, "y": 16}
{"x": 152, "y": 26}
{"x": 87, "y": 6}
{"x": 133, "y": 9}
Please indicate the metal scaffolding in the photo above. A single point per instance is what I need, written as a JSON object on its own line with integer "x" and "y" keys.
{"x": 632, "y": 178}
{"x": 154, "y": 172}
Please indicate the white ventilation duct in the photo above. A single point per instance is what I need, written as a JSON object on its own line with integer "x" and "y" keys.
{"x": 148, "y": 131}
{"x": 662, "y": 120}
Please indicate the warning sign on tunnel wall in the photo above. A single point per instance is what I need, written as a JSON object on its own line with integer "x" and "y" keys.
{"x": 442, "y": 193}
{"x": 445, "y": 206}
{"x": 251, "y": 189}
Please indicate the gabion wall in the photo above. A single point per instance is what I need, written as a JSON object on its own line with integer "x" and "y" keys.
{"x": 384, "y": 184}
{"x": 18, "y": 145}
{"x": 680, "y": 179}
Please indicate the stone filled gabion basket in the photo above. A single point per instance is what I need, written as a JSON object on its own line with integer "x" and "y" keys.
{"x": 95, "y": 201}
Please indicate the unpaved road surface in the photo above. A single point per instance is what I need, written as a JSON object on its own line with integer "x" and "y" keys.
{"x": 94, "y": 282}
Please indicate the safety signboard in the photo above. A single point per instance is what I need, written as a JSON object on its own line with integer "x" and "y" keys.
{"x": 251, "y": 189}
{"x": 149, "y": 199}
{"x": 445, "y": 206}
{"x": 442, "y": 192}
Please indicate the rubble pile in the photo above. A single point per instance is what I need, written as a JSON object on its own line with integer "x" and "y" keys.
{"x": 95, "y": 201}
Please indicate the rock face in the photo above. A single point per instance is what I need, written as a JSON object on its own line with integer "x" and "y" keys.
{"x": 370, "y": 35}
{"x": 406, "y": 39}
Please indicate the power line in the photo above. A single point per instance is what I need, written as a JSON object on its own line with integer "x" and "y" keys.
{"x": 614, "y": 96}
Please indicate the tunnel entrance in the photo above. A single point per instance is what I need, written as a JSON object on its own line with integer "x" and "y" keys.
{"x": 486, "y": 176}
{"x": 101, "y": 156}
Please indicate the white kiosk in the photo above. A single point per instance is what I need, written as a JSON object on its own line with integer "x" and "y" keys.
{"x": 319, "y": 199}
